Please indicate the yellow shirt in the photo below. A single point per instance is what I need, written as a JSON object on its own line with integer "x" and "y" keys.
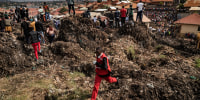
{"x": 32, "y": 24}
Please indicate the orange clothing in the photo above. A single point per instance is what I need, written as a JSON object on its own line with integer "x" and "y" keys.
{"x": 32, "y": 24}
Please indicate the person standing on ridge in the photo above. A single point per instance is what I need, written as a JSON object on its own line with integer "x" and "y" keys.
{"x": 71, "y": 6}
{"x": 102, "y": 72}
{"x": 47, "y": 11}
{"x": 117, "y": 15}
{"x": 123, "y": 15}
{"x": 130, "y": 13}
{"x": 140, "y": 7}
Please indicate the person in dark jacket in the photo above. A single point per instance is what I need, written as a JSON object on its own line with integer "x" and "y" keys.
{"x": 117, "y": 15}
{"x": 34, "y": 38}
{"x": 40, "y": 29}
{"x": 25, "y": 29}
{"x": 71, "y": 6}
{"x": 2, "y": 24}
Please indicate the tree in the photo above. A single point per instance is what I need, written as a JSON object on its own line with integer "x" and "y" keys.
{"x": 62, "y": 10}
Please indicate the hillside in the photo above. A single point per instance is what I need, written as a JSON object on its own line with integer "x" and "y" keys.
{"x": 149, "y": 67}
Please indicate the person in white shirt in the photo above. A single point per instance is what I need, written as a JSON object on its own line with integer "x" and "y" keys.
{"x": 140, "y": 7}
{"x": 95, "y": 19}
{"x": 41, "y": 12}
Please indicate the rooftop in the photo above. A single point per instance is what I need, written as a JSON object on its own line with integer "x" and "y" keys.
{"x": 192, "y": 3}
{"x": 193, "y": 19}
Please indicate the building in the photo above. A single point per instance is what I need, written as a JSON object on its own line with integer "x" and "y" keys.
{"x": 157, "y": 2}
{"x": 192, "y": 3}
{"x": 189, "y": 24}
{"x": 195, "y": 10}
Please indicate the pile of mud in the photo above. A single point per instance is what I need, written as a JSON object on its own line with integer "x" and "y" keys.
{"x": 17, "y": 56}
{"x": 156, "y": 73}
{"x": 139, "y": 32}
{"x": 80, "y": 30}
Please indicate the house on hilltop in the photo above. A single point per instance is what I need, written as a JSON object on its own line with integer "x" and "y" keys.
{"x": 189, "y": 24}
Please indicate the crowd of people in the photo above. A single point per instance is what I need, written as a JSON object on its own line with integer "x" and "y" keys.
{"x": 118, "y": 18}
{"x": 163, "y": 19}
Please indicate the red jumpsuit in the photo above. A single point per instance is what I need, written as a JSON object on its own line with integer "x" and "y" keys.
{"x": 101, "y": 72}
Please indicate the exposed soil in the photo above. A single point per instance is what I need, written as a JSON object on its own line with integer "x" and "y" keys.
{"x": 149, "y": 67}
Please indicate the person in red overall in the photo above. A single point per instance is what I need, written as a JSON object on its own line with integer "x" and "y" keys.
{"x": 34, "y": 39}
{"x": 102, "y": 72}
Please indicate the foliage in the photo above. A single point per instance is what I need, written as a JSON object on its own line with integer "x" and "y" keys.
{"x": 181, "y": 6}
{"x": 131, "y": 53}
{"x": 162, "y": 56}
{"x": 197, "y": 61}
{"x": 62, "y": 10}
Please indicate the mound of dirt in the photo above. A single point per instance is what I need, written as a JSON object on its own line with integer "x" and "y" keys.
{"x": 139, "y": 32}
{"x": 157, "y": 73}
{"x": 81, "y": 31}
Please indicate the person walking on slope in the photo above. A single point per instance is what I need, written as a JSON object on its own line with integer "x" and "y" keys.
{"x": 140, "y": 7}
{"x": 102, "y": 72}
{"x": 40, "y": 29}
{"x": 25, "y": 29}
{"x": 71, "y": 6}
{"x": 35, "y": 41}
{"x": 123, "y": 15}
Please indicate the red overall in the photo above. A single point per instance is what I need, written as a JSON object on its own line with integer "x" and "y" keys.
{"x": 35, "y": 48}
{"x": 98, "y": 79}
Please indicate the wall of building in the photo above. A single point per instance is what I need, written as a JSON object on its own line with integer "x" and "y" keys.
{"x": 189, "y": 29}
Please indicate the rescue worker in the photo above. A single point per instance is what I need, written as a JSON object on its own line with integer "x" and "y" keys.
{"x": 102, "y": 72}
{"x": 33, "y": 38}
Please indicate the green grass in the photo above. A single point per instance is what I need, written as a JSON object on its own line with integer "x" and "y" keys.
{"x": 162, "y": 56}
{"x": 131, "y": 53}
{"x": 78, "y": 94}
{"x": 158, "y": 47}
{"x": 197, "y": 62}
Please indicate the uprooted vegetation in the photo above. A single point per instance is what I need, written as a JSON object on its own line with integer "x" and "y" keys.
{"x": 146, "y": 69}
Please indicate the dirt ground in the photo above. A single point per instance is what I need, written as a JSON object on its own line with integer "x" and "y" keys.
{"x": 149, "y": 67}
